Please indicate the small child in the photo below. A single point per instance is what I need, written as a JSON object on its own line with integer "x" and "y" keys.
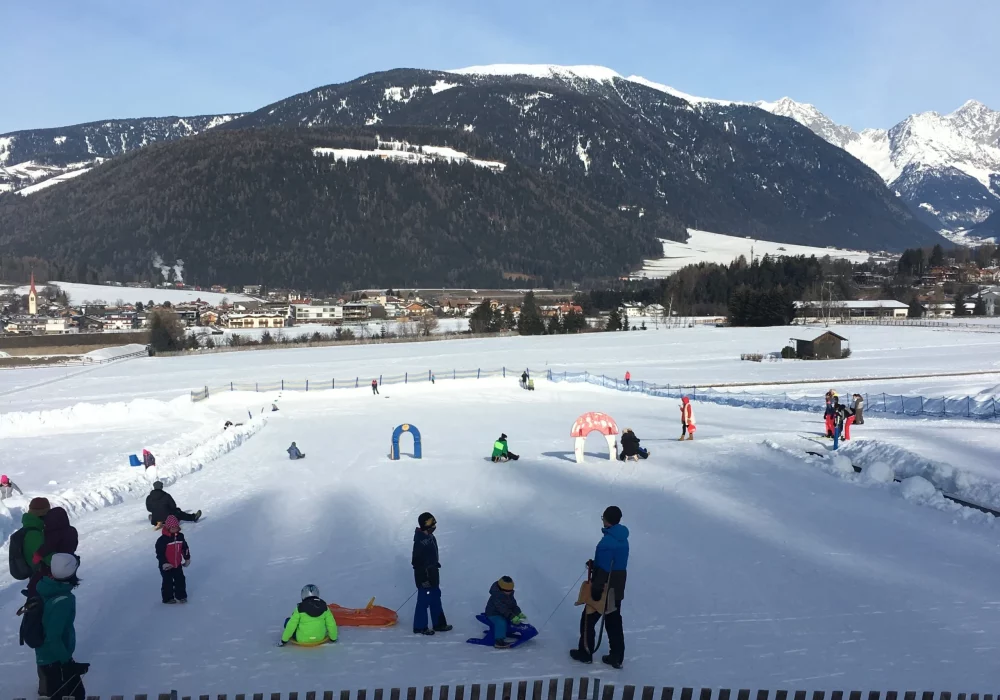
{"x": 8, "y": 487}
{"x": 503, "y": 610}
{"x": 173, "y": 555}
{"x": 294, "y": 452}
{"x": 312, "y": 622}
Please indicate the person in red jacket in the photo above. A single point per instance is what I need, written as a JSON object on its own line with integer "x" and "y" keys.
{"x": 628, "y": 378}
{"x": 172, "y": 554}
{"x": 687, "y": 420}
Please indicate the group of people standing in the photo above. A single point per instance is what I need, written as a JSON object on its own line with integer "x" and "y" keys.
{"x": 602, "y": 594}
{"x": 839, "y": 417}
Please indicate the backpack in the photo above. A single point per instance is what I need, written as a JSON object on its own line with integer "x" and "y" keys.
{"x": 32, "y": 631}
{"x": 20, "y": 569}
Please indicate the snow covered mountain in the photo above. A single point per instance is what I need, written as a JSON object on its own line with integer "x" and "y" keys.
{"x": 32, "y": 157}
{"x": 946, "y": 167}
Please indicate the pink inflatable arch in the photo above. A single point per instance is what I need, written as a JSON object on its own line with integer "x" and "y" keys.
{"x": 595, "y": 422}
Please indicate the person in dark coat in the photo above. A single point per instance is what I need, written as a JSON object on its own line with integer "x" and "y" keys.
{"x": 427, "y": 576}
{"x": 59, "y": 537}
{"x": 631, "y": 448}
{"x": 609, "y": 569}
{"x": 374, "y": 386}
{"x": 503, "y": 610}
{"x": 160, "y": 505}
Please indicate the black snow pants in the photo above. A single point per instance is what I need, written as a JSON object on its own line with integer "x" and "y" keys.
{"x": 174, "y": 585}
{"x": 614, "y": 628}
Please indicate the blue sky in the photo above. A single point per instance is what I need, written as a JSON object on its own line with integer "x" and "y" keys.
{"x": 863, "y": 62}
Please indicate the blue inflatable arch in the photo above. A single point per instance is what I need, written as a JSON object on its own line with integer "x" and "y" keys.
{"x": 406, "y": 428}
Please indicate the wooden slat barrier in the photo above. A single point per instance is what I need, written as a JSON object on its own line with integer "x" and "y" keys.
{"x": 567, "y": 689}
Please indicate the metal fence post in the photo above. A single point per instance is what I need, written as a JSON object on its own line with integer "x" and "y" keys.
{"x": 256, "y": 386}
{"x": 231, "y": 387}
{"x": 282, "y": 384}
{"x": 333, "y": 383}
{"x": 478, "y": 372}
{"x": 884, "y": 410}
{"x": 307, "y": 385}
{"x": 504, "y": 370}
{"x": 922, "y": 406}
{"x": 356, "y": 385}
{"x": 902, "y": 405}
{"x": 454, "y": 373}
{"x": 406, "y": 377}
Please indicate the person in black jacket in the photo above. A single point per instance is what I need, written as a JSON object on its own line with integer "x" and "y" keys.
{"x": 630, "y": 447}
{"x": 160, "y": 504}
{"x": 427, "y": 576}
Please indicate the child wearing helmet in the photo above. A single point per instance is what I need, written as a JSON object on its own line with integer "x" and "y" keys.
{"x": 8, "y": 487}
{"x": 173, "y": 555}
{"x": 312, "y": 622}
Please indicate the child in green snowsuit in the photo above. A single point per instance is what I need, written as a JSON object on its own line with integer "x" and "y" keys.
{"x": 312, "y": 622}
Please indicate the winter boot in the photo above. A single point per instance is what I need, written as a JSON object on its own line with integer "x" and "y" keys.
{"x": 690, "y": 436}
{"x": 424, "y": 631}
{"x": 581, "y": 656}
{"x": 197, "y": 516}
{"x": 170, "y": 602}
{"x": 611, "y": 661}
{"x": 443, "y": 628}
{"x": 501, "y": 644}
{"x": 680, "y": 438}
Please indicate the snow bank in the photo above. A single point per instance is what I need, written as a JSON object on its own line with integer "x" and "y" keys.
{"x": 88, "y": 416}
{"x": 115, "y": 487}
{"x": 842, "y": 464}
{"x": 113, "y": 352}
{"x": 918, "y": 489}
{"x": 878, "y": 472}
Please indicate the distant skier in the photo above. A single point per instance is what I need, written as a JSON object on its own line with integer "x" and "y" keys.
{"x": 294, "y": 452}
{"x": 687, "y": 419}
{"x": 859, "y": 409}
{"x": 427, "y": 576}
{"x": 500, "y": 451}
{"x": 503, "y": 610}
{"x": 173, "y": 555}
{"x": 628, "y": 378}
{"x": 8, "y": 487}
{"x": 312, "y": 622}
{"x": 160, "y": 504}
{"x": 631, "y": 448}
{"x": 374, "y": 387}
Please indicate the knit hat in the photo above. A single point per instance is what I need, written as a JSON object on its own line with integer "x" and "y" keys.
{"x": 503, "y": 436}
{"x": 4, "y": 479}
{"x": 157, "y": 485}
{"x": 426, "y": 520}
{"x": 39, "y": 506}
{"x": 506, "y": 583}
{"x": 170, "y": 523}
{"x": 63, "y": 566}
{"x": 613, "y": 514}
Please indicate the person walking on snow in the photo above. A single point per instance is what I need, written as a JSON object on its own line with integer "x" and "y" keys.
{"x": 503, "y": 610}
{"x": 173, "y": 555}
{"x": 687, "y": 419}
{"x": 312, "y": 622}
{"x": 859, "y": 409}
{"x": 609, "y": 573}
{"x": 427, "y": 576}
{"x": 59, "y": 675}
{"x": 628, "y": 378}
{"x": 160, "y": 504}
{"x": 524, "y": 379}
{"x": 294, "y": 452}
{"x": 8, "y": 487}
{"x": 828, "y": 412}
{"x": 374, "y": 386}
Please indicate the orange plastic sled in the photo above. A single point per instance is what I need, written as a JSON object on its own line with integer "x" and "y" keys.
{"x": 369, "y": 616}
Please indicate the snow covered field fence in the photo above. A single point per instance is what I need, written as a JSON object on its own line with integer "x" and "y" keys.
{"x": 983, "y": 408}
{"x": 567, "y": 689}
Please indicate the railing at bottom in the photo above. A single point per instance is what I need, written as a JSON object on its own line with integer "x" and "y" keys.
{"x": 567, "y": 689}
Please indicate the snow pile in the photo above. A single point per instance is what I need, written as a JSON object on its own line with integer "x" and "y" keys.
{"x": 114, "y": 352}
{"x": 88, "y": 416}
{"x": 842, "y": 464}
{"x": 878, "y": 472}
{"x": 918, "y": 489}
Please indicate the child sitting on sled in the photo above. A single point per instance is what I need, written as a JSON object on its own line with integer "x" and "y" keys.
{"x": 312, "y": 622}
{"x": 502, "y": 610}
{"x": 500, "y": 451}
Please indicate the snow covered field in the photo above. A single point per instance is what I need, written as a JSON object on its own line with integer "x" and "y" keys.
{"x": 703, "y": 246}
{"x": 753, "y": 563}
{"x": 79, "y": 293}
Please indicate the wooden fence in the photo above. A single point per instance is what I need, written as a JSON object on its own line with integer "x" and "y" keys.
{"x": 568, "y": 689}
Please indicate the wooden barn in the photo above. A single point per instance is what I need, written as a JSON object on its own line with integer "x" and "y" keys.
{"x": 827, "y": 346}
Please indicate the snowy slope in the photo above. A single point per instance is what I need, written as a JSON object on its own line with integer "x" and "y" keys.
{"x": 743, "y": 570}
{"x": 703, "y": 246}
{"x": 79, "y": 293}
{"x": 946, "y": 165}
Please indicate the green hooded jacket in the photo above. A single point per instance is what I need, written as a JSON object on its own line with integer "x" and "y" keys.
{"x": 34, "y": 537}
{"x": 311, "y": 623}
{"x": 500, "y": 448}
{"x": 58, "y": 617}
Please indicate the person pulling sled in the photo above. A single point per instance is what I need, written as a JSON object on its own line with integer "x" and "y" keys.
{"x": 500, "y": 451}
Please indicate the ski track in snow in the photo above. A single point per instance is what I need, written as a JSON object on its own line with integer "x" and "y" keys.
{"x": 753, "y": 564}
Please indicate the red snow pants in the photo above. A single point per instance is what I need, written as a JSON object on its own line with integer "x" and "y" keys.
{"x": 829, "y": 426}
{"x": 847, "y": 427}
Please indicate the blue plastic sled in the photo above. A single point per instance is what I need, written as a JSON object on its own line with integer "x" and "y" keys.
{"x": 134, "y": 461}
{"x": 519, "y": 633}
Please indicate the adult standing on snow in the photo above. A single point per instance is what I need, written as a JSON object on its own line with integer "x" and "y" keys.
{"x": 609, "y": 573}
{"x": 687, "y": 420}
{"x": 59, "y": 675}
{"x": 859, "y": 409}
{"x": 426, "y": 574}
{"x": 160, "y": 504}
{"x": 374, "y": 386}
{"x": 628, "y": 378}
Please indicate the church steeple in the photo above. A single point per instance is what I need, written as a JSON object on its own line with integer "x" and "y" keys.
{"x": 33, "y": 297}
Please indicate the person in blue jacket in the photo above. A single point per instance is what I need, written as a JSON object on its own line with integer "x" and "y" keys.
{"x": 609, "y": 569}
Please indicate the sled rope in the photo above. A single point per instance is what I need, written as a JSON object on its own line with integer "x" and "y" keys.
{"x": 568, "y": 591}
{"x": 405, "y": 601}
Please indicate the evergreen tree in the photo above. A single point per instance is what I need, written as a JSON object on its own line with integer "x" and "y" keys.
{"x": 531, "y": 322}
{"x": 916, "y": 310}
{"x": 483, "y": 319}
{"x": 959, "y": 305}
{"x": 574, "y": 322}
{"x": 614, "y": 321}
{"x": 625, "y": 323}
{"x": 508, "y": 322}
{"x": 166, "y": 332}
{"x": 980, "y": 309}
{"x": 554, "y": 327}
{"x": 937, "y": 256}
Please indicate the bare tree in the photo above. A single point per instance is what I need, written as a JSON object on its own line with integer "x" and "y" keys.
{"x": 427, "y": 323}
